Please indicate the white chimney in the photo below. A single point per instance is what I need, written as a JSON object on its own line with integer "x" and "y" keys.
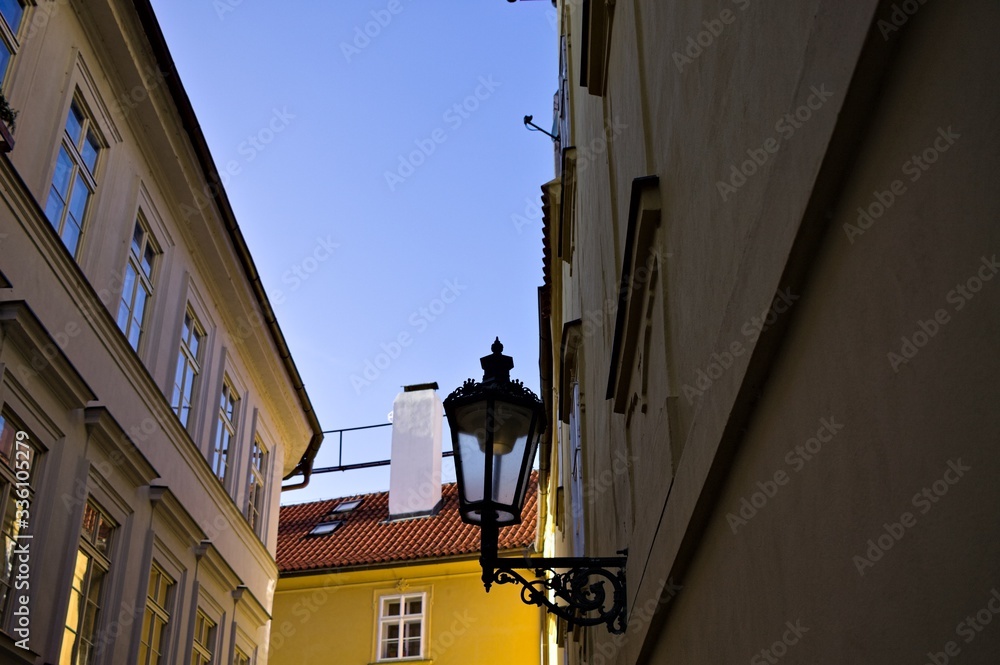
{"x": 415, "y": 467}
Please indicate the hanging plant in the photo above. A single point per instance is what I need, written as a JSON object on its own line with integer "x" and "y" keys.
{"x": 7, "y": 114}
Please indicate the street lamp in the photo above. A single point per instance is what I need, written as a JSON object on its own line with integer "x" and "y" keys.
{"x": 495, "y": 428}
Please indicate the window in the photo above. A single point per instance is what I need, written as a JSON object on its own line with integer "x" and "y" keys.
{"x": 595, "y": 45}
{"x": 156, "y": 617}
{"x": 324, "y": 528}
{"x": 347, "y": 506}
{"x": 17, "y": 454}
{"x": 12, "y": 11}
{"x": 401, "y": 626}
{"x": 204, "y": 640}
{"x": 73, "y": 181}
{"x": 226, "y": 431}
{"x": 138, "y": 284}
{"x": 255, "y": 492}
{"x": 188, "y": 366}
{"x": 89, "y": 574}
{"x": 576, "y": 469}
{"x": 241, "y": 658}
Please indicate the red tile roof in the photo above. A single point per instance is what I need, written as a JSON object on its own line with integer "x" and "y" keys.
{"x": 366, "y": 538}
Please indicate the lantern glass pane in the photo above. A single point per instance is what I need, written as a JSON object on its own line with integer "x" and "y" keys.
{"x": 470, "y": 436}
{"x": 511, "y": 425}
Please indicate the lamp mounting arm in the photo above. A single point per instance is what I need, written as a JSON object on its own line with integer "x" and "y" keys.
{"x": 579, "y": 593}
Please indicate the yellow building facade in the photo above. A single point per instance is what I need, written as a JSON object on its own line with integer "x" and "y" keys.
{"x": 373, "y": 590}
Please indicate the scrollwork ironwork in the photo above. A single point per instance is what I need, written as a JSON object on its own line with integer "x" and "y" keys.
{"x": 579, "y": 595}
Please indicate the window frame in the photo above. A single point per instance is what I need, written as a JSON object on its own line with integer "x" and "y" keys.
{"x": 185, "y": 360}
{"x": 157, "y": 611}
{"x": 10, "y": 36}
{"x": 141, "y": 280}
{"x": 229, "y": 423}
{"x": 78, "y": 169}
{"x": 400, "y": 621}
{"x": 89, "y": 549}
{"x": 326, "y": 527}
{"x": 204, "y": 653}
{"x": 240, "y": 657}
{"x": 257, "y": 485}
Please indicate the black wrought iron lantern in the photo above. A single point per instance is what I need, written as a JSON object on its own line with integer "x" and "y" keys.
{"x": 495, "y": 426}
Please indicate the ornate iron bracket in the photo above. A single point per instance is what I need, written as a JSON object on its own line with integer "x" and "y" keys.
{"x": 580, "y": 594}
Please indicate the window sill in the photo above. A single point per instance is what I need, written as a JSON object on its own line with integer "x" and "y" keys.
{"x": 408, "y": 661}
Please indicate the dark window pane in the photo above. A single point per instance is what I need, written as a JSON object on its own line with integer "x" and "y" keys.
{"x": 13, "y": 12}
{"x": 71, "y": 235}
{"x": 6, "y": 437}
{"x": 54, "y": 207}
{"x": 64, "y": 168}
{"x": 78, "y": 200}
{"x": 147, "y": 261}
{"x": 74, "y": 123}
{"x": 4, "y": 59}
{"x": 89, "y": 152}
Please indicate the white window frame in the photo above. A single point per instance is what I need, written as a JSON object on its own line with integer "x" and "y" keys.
{"x": 188, "y": 362}
{"x": 257, "y": 485}
{"x": 577, "y": 500}
{"x": 97, "y": 559}
{"x": 384, "y": 621}
{"x": 78, "y": 170}
{"x": 240, "y": 657}
{"x": 204, "y": 653}
{"x": 141, "y": 280}
{"x": 9, "y": 36}
{"x": 157, "y": 611}
{"x": 221, "y": 458}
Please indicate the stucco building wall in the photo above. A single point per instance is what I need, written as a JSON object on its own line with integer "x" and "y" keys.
{"x": 100, "y": 411}
{"x": 712, "y": 404}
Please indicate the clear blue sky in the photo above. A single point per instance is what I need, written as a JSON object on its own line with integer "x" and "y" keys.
{"x": 309, "y": 105}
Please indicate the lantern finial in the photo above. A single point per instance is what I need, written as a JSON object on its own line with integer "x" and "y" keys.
{"x": 497, "y": 366}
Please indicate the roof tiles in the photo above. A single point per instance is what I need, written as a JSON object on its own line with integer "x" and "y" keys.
{"x": 366, "y": 537}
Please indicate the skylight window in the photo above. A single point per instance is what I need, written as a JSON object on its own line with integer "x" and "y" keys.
{"x": 347, "y": 506}
{"x": 325, "y": 528}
